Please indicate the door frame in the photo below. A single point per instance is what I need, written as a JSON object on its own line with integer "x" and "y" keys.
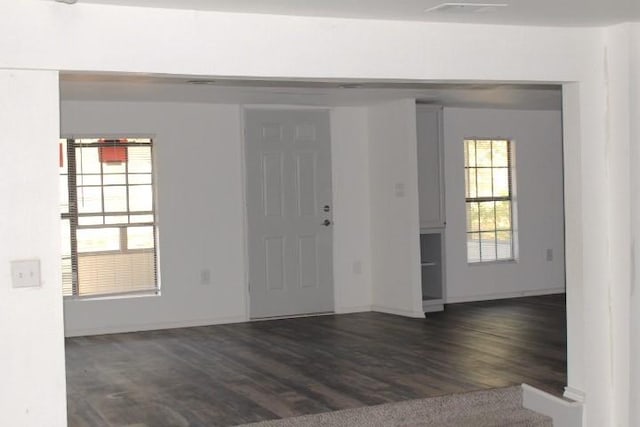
{"x": 243, "y": 149}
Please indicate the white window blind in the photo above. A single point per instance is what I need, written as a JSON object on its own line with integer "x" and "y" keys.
{"x": 108, "y": 217}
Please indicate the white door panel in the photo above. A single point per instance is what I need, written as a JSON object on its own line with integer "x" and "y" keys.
{"x": 288, "y": 162}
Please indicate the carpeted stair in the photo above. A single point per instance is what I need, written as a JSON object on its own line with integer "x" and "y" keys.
{"x": 496, "y": 407}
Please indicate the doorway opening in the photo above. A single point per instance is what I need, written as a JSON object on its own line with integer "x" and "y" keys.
{"x": 204, "y": 195}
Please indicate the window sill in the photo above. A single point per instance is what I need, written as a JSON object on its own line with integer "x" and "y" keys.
{"x": 497, "y": 262}
{"x": 150, "y": 294}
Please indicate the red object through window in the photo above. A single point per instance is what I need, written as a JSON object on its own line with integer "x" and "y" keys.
{"x": 110, "y": 152}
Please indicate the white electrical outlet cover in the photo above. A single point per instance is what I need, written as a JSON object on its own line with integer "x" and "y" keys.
{"x": 25, "y": 273}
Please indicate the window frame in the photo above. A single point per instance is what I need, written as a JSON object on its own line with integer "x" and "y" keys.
{"x": 73, "y": 215}
{"x": 510, "y": 198}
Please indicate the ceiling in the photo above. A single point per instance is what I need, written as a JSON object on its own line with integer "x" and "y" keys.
{"x": 147, "y": 88}
{"x": 517, "y": 12}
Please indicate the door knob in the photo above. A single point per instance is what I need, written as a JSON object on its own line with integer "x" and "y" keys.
{"x": 326, "y": 208}
{"x": 326, "y": 223}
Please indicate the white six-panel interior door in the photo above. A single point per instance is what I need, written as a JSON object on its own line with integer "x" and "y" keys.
{"x": 289, "y": 212}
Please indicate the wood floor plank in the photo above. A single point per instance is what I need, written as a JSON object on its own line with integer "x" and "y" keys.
{"x": 232, "y": 374}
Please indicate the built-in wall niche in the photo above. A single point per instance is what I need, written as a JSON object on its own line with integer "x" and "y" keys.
{"x": 431, "y": 204}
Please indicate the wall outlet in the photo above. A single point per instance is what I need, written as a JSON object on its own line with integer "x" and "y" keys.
{"x": 205, "y": 277}
{"x": 25, "y": 273}
{"x": 549, "y": 254}
{"x": 399, "y": 189}
{"x": 357, "y": 267}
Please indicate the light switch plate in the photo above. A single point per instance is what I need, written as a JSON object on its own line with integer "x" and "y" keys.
{"x": 549, "y": 254}
{"x": 25, "y": 273}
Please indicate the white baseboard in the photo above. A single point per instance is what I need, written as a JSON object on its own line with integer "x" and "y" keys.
{"x": 399, "y": 312}
{"x": 117, "y": 329}
{"x": 574, "y": 394}
{"x": 504, "y": 295}
{"x": 563, "y": 412}
{"x": 357, "y": 309}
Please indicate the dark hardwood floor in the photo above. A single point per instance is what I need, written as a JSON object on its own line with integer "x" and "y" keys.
{"x": 233, "y": 374}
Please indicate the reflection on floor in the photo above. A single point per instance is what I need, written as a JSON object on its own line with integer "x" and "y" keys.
{"x": 233, "y": 374}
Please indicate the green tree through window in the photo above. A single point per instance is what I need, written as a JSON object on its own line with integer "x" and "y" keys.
{"x": 489, "y": 199}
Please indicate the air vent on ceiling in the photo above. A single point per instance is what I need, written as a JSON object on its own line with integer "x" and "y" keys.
{"x": 465, "y": 7}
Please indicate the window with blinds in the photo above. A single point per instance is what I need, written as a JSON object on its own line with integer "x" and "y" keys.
{"x": 108, "y": 217}
{"x": 489, "y": 199}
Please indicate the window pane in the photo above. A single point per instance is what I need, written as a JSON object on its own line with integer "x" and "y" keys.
{"x": 483, "y": 153}
{"x": 140, "y": 237}
{"x": 484, "y": 182}
{"x": 504, "y": 244}
{"x": 473, "y": 247}
{"x": 115, "y": 179}
{"x": 140, "y": 198}
{"x": 141, "y": 218}
{"x": 500, "y": 154}
{"x": 105, "y": 265}
{"x": 115, "y": 199}
{"x": 89, "y": 199}
{"x": 64, "y": 194}
{"x": 487, "y": 216}
{"x": 503, "y": 215}
{"x": 470, "y": 152}
{"x": 470, "y": 182}
{"x": 88, "y": 179}
{"x": 67, "y": 271}
{"x": 113, "y": 168}
{"x": 90, "y": 220}
{"x": 489, "y": 223}
{"x": 500, "y": 182}
{"x": 140, "y": 178}
{"x": 98, "y": 239}
{"x": 116, "y": 219}
{"x": 473, "y": 220}
{"x": 87, "y": 160}
{"x": 65, "y": 235}
{"x": 139, "y": 159}
{"x": 67, "y": 276}
{"x": 488, "y": 246}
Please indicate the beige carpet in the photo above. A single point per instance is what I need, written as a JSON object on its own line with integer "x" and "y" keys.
{"x": 496, "y": 407}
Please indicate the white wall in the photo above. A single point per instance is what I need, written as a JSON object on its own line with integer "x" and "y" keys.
{"x": 32, "y": 391}
{"x": 83, "y": 37}
{"x": 198, "y": 160}
{"x": 46, "y": 35}
{"x": 537, "y": 137}
{"x": 395, "y": 222}
{"x": 200, "y": 209}
{"x": 351, "y": 226}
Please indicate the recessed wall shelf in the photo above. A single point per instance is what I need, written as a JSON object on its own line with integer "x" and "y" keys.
{"x": 432, "y": 215}
{"x": 432, "y": 274}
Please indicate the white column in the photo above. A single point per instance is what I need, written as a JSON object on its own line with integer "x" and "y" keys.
{"x": 395, "y": 222}
{"x": 32, "y": 370}
{"x": 634, "y": 117}
{"x": 606, "y": 232}
{"x": 618, "y": 175}
{"x": 573, "y": 241}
